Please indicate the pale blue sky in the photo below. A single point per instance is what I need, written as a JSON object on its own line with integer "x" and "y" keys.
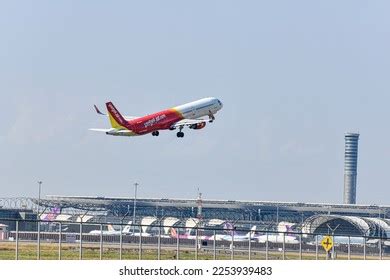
{"x": 293, "y": 77}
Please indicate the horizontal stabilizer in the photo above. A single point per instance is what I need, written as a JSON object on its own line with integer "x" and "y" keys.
{"x": 101, "y": 129}
{"x": 103, "y": 114}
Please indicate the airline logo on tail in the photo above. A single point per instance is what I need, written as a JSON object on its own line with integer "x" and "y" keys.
{"x": 116, "y": 119}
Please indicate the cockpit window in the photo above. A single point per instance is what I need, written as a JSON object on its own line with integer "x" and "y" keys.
{"x": 219, "y": 102}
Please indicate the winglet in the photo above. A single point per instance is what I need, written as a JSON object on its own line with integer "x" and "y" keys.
{"x": 98, "y": 111}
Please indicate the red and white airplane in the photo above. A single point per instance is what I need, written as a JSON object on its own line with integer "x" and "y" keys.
{"x": 178, "y": 117}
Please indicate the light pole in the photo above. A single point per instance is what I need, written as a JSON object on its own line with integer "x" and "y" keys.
{"x": 39, "y": 223}
{"x": 135, "y": 205}
{"x": 39, "y": 196}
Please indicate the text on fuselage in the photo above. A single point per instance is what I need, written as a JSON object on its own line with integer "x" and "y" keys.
{"x": 154, "y": 120}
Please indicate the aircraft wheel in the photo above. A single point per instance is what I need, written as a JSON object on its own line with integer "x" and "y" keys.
{"x": 180, "y": 134}
{"x": 156, "y": 133}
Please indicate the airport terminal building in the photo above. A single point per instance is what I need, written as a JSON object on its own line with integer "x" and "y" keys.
{"x": 317, "y": 218}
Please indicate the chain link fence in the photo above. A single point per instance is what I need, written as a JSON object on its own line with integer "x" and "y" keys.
{"x": 70, "y": 240}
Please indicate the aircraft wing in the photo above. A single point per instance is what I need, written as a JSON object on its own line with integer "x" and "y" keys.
{"x": 125, "y": 117}
{"x": 101, "y": 129}
{"x": 188, "y": 122}
{"x": 114, "y": 131}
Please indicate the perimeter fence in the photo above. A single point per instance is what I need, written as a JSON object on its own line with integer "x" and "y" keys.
{"x": 60, "y": 240}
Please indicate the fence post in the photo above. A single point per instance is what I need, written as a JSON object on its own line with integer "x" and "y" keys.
{"x": 300, "y": 246}
{"x": 250, "y": 248}
{"x": 364, "y": 247}
{"x": 101, "y": 242}
{"x": 17, "y": 241}
{"x": 140, "y": 243}
{"x": 333, "y": 256}
{"x": 316, "y": 247}
{"x": 120, "y": 242}
{"x": 232, "y": 247}
{"x": 39, "y": 240}
{"x": 196, "y": 244}
{"x": 59, "y": 241}
{"x": 380, "y": 248}
{"x": 177, "y": 244}
{"x": 159, "y": 242}
{"x": 284, "y": 245}
{"x": 349, "y": 247}
{"x": 81, "y": 241}
{"x": 215, "y": 246}
{"x": 266, "y": 246}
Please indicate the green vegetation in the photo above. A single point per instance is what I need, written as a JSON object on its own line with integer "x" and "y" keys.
{"x": 49, "y": 251}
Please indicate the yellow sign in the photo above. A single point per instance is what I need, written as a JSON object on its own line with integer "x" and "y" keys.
{"x": 327, "y": 243}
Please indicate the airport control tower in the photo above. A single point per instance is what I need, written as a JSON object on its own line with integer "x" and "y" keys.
{"x": 350, "y": 167}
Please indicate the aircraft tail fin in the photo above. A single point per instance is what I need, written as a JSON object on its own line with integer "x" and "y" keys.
{"x": 110, "y": 228}
{"x": 116, "y": 119}
{"x": 251, "y": 233}
{"x": 127, "y": 228}
{"x": 173, "y": 233}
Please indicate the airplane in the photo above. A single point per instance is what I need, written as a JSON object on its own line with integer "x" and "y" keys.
{"x": 142, "y": 234}
{"x": 275, "y": 238}
{"x": 111, "y": 231}
{"x": 285, "y": 235}
{"x": 232, "y": 234}
{"x": 174, "y": 234}
{"x": 187, "y": 115}
{"x": 235, "y": 237}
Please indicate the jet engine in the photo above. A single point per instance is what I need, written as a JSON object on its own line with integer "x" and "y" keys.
{"x": 198, "y": 125}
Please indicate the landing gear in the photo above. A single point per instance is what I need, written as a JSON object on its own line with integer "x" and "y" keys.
{"x": 211, "y": 117}
{"x": 180, "y": 134}
{"x": 155, "y": 133}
